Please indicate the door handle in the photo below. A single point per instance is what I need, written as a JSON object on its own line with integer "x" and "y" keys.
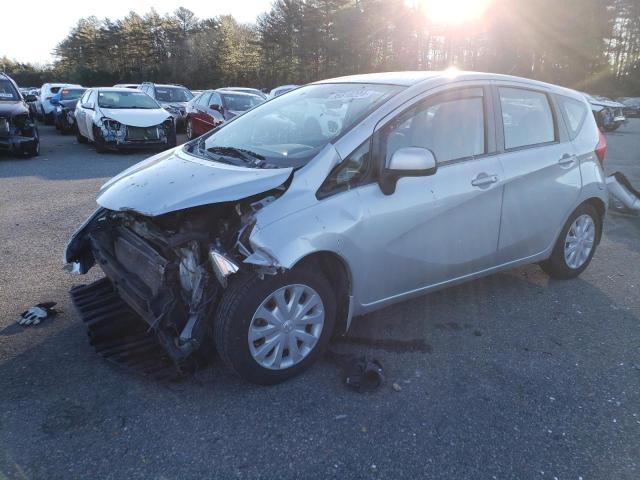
{"x": 567, "y": 160}
{"x": 484, "y": 180}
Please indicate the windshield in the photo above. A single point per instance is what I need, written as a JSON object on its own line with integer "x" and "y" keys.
{"x": 288, "y": 131}
{"x": 173, "y": 94}
{"x": 71, "y": 93}
{"x": 240, "y": 103}
{"x": 126, "y": 100}
{"x": 7, "y": 91}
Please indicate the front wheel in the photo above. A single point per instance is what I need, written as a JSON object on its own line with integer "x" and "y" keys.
{"x": 576, "y": 244}
{"x": 189, "y": 129}
{"x": 81, "y": 138}
{"x": 269, "y": 330}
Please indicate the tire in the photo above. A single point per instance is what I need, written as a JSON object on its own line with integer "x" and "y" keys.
{"x": 48, "y": 119}
{"x": 235, "y": 317}
{"x": 189, "y": 129}
{"x": 80, "y": 137}
{"x": 557, "y": 266}
{"x": 32, "y": 149}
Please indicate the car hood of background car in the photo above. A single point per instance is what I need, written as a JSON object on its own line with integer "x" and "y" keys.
{"x": 69, "y": 103}
{"x": 136, "y": 117}
{"x": 12, "y": 107}
{"x": 174, "y": 180}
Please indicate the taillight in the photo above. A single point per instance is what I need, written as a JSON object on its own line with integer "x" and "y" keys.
{"x": 601, "y": 148}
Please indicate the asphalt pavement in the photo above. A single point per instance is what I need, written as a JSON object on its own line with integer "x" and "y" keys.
{"x": 513, "y": 376}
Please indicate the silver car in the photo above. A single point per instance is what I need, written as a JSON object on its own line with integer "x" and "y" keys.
{"x": 266, "y": 236}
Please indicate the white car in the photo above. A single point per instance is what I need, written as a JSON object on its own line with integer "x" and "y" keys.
{"x": 44, "y": 106}
{"x": 117, "y": 118}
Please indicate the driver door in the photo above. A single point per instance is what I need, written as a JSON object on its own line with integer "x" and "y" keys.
{"x": 438, "y": 228}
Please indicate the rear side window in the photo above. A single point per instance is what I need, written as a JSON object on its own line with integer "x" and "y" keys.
{"x": 574, "y": 113}
{"x": 527, "y": 118}
{"x": 55, "y": 89}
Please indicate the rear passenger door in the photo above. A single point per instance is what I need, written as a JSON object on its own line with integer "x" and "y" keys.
{"x": 541, "y": 172}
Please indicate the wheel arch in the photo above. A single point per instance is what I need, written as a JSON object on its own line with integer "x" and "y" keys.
{"x": 601, "y": 208}
{"x": 337, "y": 271}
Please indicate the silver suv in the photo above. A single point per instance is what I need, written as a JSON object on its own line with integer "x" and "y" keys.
{"x": 266, "y": 236}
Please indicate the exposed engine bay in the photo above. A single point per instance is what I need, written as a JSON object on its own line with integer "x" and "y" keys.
{"x": 169, "y": 271}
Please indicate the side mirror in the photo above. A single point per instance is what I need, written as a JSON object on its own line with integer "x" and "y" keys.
{"x": 407, "y": 162}
{"x": 30, "y": 98}
{"x": 217, "y": 107}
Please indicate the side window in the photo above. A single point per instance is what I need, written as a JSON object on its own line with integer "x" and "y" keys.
{"x": 574, "y": 113}
{"x": 215, "y": 99}
{"x": 526, "y": 116}
{"x": 204, "y": 99}
{"x": 451, "y": 125}
{"x": 85, "y": 97}
{"x": 348, "y": 173}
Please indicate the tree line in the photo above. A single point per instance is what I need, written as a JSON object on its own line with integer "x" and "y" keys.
{"x": 586, "y": 44}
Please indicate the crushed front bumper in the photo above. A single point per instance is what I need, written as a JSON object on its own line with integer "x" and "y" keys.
{"x": 119, "y": 335}
{"x": 10, "y": 142}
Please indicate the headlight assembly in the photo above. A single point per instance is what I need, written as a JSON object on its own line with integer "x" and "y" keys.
{"x": 110, "y": 124}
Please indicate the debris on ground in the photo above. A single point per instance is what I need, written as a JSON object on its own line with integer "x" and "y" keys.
{"x": 36, "y": 314}
{"x": 396, "y": 387}
{"x": 363, "y": 374}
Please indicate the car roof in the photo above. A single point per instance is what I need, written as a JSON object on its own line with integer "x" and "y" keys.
{"x": 235, "y": 92}
{"x": 411, "y": 78}
{"x": 114, "y": 89}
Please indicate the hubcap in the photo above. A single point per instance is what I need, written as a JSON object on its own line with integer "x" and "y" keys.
{"x": 579, "y": 241}
{"x": 286, "y": 327}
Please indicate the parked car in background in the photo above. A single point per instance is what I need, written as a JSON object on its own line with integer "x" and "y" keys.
{"x": 65, "y": 108}
{"x": 213, "y": 107}
{"x": 282, "y": 89}
{"x": 44, "y": 106}
{"x": 133, "y": 86}
{"x": 121, "y": 118}
{"x": 33, "y": 95}
{"x": 173, "y": 99}
{"x": 631, "y": 106}
{"x": 18, "y": 130}
{"x": 608, "y": 113}
{"x": 254, "y": 91}
{"x": 270, "y": 234}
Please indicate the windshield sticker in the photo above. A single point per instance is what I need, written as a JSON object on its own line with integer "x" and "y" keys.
{"x": 351, "y": 95}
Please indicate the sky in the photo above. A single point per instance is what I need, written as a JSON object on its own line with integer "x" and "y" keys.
{"x": 40, "y": 26}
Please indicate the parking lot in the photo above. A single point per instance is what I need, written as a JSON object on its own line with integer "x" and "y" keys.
{"x": 511, "y": 376}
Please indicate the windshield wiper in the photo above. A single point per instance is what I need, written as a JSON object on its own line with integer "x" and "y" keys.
{"x": 252, "y": 158}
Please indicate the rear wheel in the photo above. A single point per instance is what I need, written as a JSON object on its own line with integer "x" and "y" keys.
{"x": 576, "y": 244}
{"x": 80, "y": 137}
{"x": 272, "y": 329}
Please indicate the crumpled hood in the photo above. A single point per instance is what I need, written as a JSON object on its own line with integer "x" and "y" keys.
{"x": 175, "y": 180}
{"x": 136, "y": 117}
{"x": 12, "y": 107}
{"x": 178, "y": 105}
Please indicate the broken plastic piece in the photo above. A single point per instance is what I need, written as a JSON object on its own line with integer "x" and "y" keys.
{"x": 364, "y": 375}
{"x": 623, "y": 193}
{"x": 37, "y": 313}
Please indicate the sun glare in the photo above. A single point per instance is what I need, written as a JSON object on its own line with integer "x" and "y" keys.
{"x": 454, "y": 11}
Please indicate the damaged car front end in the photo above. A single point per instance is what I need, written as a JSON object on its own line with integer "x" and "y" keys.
{"x": 195, "y": 256}
{"x": 112, "y": 134}
{"x": 167, "y": 269}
